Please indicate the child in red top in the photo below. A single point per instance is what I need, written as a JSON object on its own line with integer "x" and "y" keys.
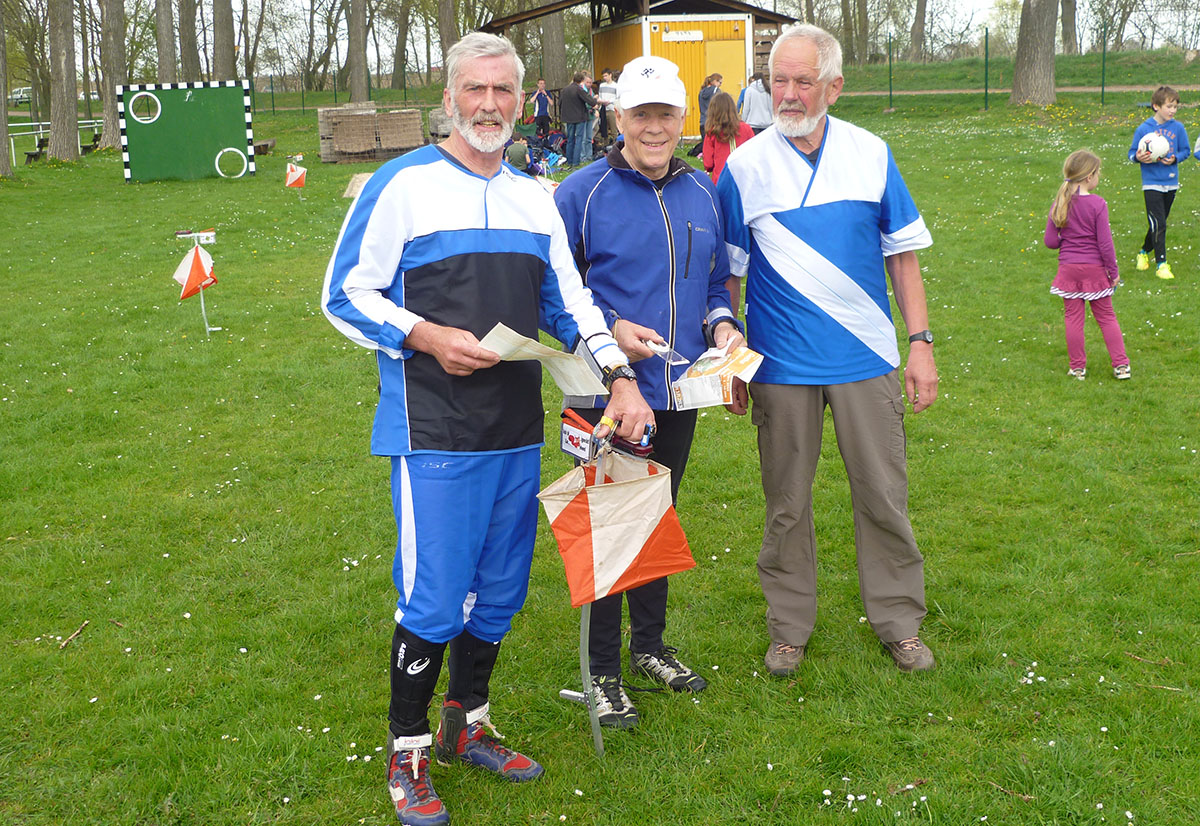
{"x": 723, "y": 132}
{"x": 1087, "y": 262}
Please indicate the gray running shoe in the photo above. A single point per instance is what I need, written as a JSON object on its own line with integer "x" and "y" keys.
{"x": 612, "y": 703}
{"x": 663, "y": 667}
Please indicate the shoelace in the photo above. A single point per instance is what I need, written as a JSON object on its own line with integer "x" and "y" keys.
{"x": 667, "y": 655}
{"x": 420, "y": 781}
{"x": 490, "y": 741}
{"x": 612, "y": 693}
{"x": 910, "y": 644}
{"x": 784, "y": 648}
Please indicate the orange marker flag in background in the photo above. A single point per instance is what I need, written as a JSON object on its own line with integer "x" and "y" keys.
{"x": 195, "y": 272}
{"x": 295, "y": 175}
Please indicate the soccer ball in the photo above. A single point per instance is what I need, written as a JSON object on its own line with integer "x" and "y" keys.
{"x": 1155, "y": 144}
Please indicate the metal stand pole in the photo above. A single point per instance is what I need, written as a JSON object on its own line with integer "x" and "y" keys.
{"x": 585, "y": 628}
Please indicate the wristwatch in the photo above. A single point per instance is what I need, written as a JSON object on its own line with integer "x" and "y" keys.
{"x": 621, "y": 371}
{"x": 924, "y": 335}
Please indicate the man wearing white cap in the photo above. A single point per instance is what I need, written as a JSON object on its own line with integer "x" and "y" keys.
{"x": 645, "y": 230}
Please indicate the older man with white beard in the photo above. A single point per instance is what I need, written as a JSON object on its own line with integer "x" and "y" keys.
{"x": 441, "y": 245}
{"x": 815, "y": 212}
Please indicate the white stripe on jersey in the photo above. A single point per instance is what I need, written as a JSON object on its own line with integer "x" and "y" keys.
{"x": 820, "y": 281}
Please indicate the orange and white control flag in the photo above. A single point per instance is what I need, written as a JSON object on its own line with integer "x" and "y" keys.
{"x": 195, "y": 272}
{"x": 295, "y": 175}
{"x": 618, "y": 534}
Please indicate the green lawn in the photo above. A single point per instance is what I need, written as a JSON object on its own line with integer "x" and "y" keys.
{"x": 208, "y": 507}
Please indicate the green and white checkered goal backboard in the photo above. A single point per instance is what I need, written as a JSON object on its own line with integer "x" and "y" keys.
{"x": 185, "y": 131}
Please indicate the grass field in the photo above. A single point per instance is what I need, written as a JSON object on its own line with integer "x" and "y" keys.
{"x": 208, "y": 507}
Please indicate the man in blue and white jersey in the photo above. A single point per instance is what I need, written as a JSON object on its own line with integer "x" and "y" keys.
{"x": 815, "y": 212}
{"x": 441, "y": 245}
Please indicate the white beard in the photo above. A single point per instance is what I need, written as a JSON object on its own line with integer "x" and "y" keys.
{"x": 482, "y": 143}
{"x": 791, "y": 125}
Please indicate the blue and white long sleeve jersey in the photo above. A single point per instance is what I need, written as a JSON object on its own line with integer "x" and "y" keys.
{"x": 429, "y": 240}
{"x": 811, "y": 239}
{"x": 1157, "y": 175}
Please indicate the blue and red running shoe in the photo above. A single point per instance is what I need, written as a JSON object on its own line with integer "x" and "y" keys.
{"x": 461, "y": 736}
{"x": 417, "y": 804}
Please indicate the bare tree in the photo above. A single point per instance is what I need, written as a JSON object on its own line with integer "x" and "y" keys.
{"x": 6, "y": 169}
{"x": 224, "y": 53}
{"x": 189, "y": 55}
{"x": 847, "y": 33}
{"x": 64, "y": 113}
{"x": 1033, "y": 66}
{"x": 356, "y": 54}
{"x": 1069, "y": 37}
{"x": 252, "y": 38}
{"x": 164, "y": 36}
{"x": 554, "y": 51}
{"x": 84, "y": 55}
{"x": 112, "y": 62}
{"x": 916, "y": 35}
{"x": 447, "y": 21}
{"x": 863, "y": 46}
{"x": 400, "y": 56}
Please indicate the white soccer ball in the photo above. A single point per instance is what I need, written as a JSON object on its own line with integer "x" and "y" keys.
{"x": 1155, "y": 144}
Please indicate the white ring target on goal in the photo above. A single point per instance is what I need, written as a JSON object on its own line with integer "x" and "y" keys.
{"x": 240, "y": 154}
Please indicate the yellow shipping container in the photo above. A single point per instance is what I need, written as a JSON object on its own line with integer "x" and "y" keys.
{"x": 700, "y": 45}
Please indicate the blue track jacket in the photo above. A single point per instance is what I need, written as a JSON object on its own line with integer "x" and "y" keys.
{"x": 654, "y": 257}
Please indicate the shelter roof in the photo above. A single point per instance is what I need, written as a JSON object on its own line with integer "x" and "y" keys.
{"x": 604, "y": 12}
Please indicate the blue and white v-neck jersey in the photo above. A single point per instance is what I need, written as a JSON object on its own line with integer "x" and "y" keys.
{"x": 811, "y": 240}
{"x": 430, "y": 240}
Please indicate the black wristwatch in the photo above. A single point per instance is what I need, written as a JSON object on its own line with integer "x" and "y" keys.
{"x": 621, "y": 371}
{"x": 924, "y": 336}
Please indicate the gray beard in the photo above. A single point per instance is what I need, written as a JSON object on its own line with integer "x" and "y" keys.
{"x": 479, "y": 143}
{"x": 792, "y": 127}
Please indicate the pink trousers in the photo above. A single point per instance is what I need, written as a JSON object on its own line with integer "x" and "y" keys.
{"x": 1074, "y": 312}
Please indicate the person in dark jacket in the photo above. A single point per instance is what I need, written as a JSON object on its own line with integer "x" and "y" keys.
{"x": 646, "y": 233}
{"x": 575, "y": 103}
{"x": 712, "y": 85}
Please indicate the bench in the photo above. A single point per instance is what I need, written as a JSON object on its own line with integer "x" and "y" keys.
{"x": 91, "y": 147}
{"x": 43, "y": 144}
{"x": 264, "y": 146}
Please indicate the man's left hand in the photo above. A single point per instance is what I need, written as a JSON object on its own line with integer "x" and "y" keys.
{"x": 629, "y": 410}
{"x": 920, "y": 376}
{"x": 725, "y": 333}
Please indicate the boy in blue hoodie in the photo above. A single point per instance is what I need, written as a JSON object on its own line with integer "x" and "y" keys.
{"x": 1160, "y": 178}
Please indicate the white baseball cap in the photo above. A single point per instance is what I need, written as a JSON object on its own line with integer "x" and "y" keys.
{"x": 650, "y": 80}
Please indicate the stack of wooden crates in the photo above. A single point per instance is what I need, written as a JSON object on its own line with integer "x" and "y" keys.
{"x": 356, "y": 132}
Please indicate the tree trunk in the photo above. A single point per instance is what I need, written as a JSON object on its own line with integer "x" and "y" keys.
{"x": 1069, "y": 36}
{"x": 916, "y": 42}
{"x": 847, "y": 37}
{"x": 356, "y": 56}
{"x": 864, "y": 45}
{"x": 1033, "y": 66}
{"x": 112, "y": 62}
{"x": 400, "y": 56}
{"x": 84, "y": 54}
{"x": 5, "y": 159}
{"x": 189, "y": 55}
{"x": 447, "y": 29}
{"x": 224, "y": 54}
{"x": 164, "y": 35}
{"x": 64, "y": 112}
{"x": 810, "y": 13}
{"x": 554, "y": 51}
